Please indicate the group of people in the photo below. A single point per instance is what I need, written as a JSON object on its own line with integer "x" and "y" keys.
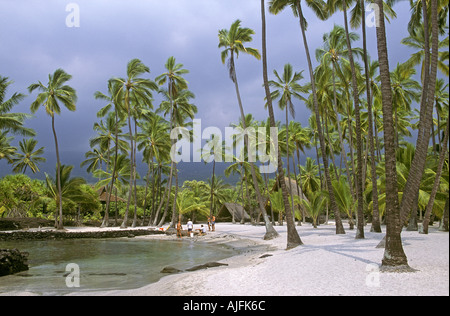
{"x": 201, "y": 231}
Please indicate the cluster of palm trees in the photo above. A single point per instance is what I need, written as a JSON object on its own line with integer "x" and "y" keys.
{"x": 353, "y": 99}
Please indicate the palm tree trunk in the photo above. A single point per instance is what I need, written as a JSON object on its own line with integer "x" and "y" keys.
{"x": 293, "y": 238}
{"x": 444, "y": 221}
{"x": 174, "y": 205}
{"x": 130, "y": 190}
{"x": 212, "y": 189}
{"x": 147, "y": 183}
{"x": 334, "y": 207}
{"x": 426, "y": 112}
{"x": 58, "y": 176}
{"x": 113, "y": 175}
{"x": 394, "y": 254}
{"x": 442, "y": 158}
{"x": 341, "y": 139}
{"x": 376, "y": 226}
{"x": 359, "y": 150}
{"x": 134, "y": 176}
{"x": 271, "y": 233}
{"x": 169, "y": 190}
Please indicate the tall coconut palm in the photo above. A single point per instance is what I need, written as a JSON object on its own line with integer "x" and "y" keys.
{"x": 334, "y": 5}
{"x": 276, "y": 6}
{"x": 334, "y": 53}
{"x": 287, "y": 88}
{"x": 55, "y": 93}
{"x": 233, "y": 41}
{"x": 394, "y": 254}
{"x": 115, "y": 99}
{"x": 135, "y": 90}
{"x": 154, "y": 140}
{"x": 175, "y": 84}
{"x": 28, "y": 157}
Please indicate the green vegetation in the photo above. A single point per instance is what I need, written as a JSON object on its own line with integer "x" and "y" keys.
{"x": 362, "y": 118}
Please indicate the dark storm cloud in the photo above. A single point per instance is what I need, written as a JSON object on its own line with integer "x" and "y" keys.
{"x": 35, "y": 41}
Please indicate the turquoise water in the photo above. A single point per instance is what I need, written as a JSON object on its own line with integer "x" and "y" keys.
{"x": 109, "y": 264}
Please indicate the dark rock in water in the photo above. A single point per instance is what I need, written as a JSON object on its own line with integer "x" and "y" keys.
{"x": 170, "y": 270}
{"x": 12, "y": 261}
{"x": 206, "y": 266}
{"x": 265, "y": 256}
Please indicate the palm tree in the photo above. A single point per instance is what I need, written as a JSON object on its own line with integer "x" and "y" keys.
{"x": 276, "y": 6}
{"x": 135, "y": 90}
{"x": 29, "y": 157}
{"x": 12, "y": 122}
{"x": 233, "y": 41}
{"x": 334, "y": 5}
{"x": 175, "y": 85}
{"x": 334, "y": 53}
{"x": 315, "y": 205}
{"x": 154, "y": 140}
{"x": 394, "y": 254}
{"x": 115, "y": 99}
{"x": 118, "y": 176}
{"x": 416, "y": 40}
{"x": 70, "y": 187}
{"x": 287, "y": 87}
{"x": 51, "y": 96}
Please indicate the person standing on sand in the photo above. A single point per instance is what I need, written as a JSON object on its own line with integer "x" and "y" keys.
{"x": 190, "y": 226}
{"x": 209, "y": 223}
{"x": 179, "y": 228}
{"x": 213, "y": 223}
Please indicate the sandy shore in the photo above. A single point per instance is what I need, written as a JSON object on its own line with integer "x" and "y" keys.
{"x": 327, "y": 264}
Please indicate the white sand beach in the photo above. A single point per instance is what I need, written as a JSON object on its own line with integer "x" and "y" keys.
{"x": 327, "y": 264}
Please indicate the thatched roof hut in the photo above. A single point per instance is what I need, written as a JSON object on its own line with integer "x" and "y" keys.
{"x": 232, "y": 212}
{"x": 103, "y": 196}
{"x": 293, "y": 188}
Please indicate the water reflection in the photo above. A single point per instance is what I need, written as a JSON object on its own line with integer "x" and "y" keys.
{"x": 104, "y": 264}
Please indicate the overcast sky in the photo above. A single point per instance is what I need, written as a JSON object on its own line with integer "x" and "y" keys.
{"x": 35, "y": 40}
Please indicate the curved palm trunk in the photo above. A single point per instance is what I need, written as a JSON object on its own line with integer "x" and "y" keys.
{"x": 271, "y": 233}
{"x": 334, "y": 207}
{"x": 442, "y": 157}
{"x": 58, "y": 177}
{"x": 426, "y": 112}
{"x": 359, "y": 182}
{"x": 293, "y": 238}
{"x": 394, "y": 254}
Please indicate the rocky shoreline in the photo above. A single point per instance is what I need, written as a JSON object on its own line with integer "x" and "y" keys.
{"x": 12, "y": 261}
{"x": 55, "y": 234}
